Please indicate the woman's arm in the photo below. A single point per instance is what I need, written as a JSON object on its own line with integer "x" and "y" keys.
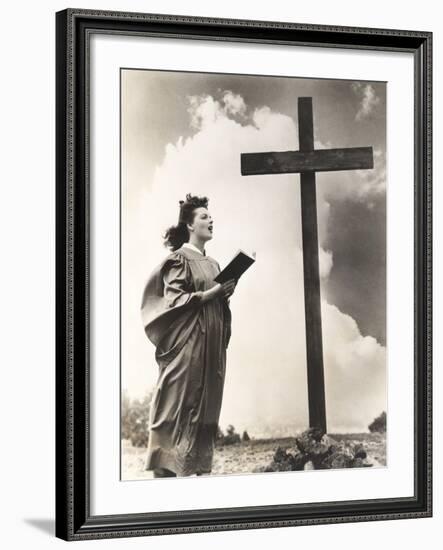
{"x": 225, "y": 290}
{"x": 211, "y": 293}
{"x": 176, "y": 280}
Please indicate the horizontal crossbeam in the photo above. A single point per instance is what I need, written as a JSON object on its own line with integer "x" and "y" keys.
{"x": 319, "y": 160}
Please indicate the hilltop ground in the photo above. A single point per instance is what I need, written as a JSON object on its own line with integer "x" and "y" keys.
{"x": 245, "y": 457}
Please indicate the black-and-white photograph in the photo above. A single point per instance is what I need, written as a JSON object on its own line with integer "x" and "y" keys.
{"x": 253, "y": 274}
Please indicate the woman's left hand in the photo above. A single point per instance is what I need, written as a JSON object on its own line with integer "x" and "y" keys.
{"x": 228, "y": 288}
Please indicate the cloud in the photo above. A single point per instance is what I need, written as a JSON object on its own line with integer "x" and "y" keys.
{"x": 266, "y": 381}
{"x": 234, "y": 104}
{"x": 368, "y": 99}
{"x": 203, "y": 111}
{"x": 362, "y": 186}
{"x": 355, "y": 370}
{"x": 325, "y": 261}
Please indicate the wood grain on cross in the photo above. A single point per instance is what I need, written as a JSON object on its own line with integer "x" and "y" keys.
{"x": 307, "y": 161}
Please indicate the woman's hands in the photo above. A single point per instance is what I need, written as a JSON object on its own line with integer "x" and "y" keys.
{"x": 227, "y": 289}
{"x": 223, "y": 290}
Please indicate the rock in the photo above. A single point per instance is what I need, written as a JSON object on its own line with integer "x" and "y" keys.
{"x": 359, "y": 451}
{"x": 299, "y": 461}
{"x": 308, "y": 439}
{"x": 338, "y": 459}
{"x": 318, "y": 451}
{"x": 315, "y": 445}
{"x": 327, "y": 440}
{"x": 360, "y": 463}
{"x": 280, "y": 455}
{"x": 315, "y": 433}
{"x": 284, "y": 461}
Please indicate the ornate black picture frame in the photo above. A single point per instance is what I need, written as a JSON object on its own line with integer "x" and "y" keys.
{"x": 74, "y": 28}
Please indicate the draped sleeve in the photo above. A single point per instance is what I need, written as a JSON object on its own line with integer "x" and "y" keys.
{"x": 169, "y": 297}
{"x": 177, "y": 281}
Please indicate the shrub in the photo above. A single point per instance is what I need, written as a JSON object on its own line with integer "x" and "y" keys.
{"x": 229, "y": 439}
{"x": 378, "y": 424}
{"x": 135, "y": 419}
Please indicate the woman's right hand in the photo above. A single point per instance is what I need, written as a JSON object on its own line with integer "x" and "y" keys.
{"x": 223, "y": 290}
{"x": 226, "y": 289}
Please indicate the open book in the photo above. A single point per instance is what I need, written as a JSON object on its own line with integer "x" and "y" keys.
{"x": 236, "y": 267}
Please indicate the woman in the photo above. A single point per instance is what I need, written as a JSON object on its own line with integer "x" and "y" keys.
{"x": 186, "y": 316}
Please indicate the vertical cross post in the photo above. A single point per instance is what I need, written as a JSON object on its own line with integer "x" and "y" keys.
{"x": 314, "y": 341}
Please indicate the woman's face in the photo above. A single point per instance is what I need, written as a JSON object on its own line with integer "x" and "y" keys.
{"x": 202, "y": 226}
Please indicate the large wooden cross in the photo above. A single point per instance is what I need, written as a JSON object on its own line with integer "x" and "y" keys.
{"x": 307, "y": 161}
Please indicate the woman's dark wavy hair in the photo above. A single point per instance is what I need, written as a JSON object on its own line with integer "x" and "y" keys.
{"x": 176, "y": 235}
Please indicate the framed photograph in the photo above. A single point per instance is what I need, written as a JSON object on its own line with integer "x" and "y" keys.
{"x": 243, "y": 274}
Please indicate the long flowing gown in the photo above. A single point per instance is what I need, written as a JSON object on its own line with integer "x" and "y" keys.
{"x": 191, "y": 338}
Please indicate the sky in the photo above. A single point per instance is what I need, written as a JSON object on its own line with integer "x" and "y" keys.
{"x": 184, "y": 133}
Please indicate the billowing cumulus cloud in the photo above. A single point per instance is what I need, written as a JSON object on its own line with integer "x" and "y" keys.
{"x": 266, "y": 381}
{"x": 203, "y": 111}
{"x": 234, "y": 104}
{"x": 368, "y": 99}
{"x": 362, "y": 186}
